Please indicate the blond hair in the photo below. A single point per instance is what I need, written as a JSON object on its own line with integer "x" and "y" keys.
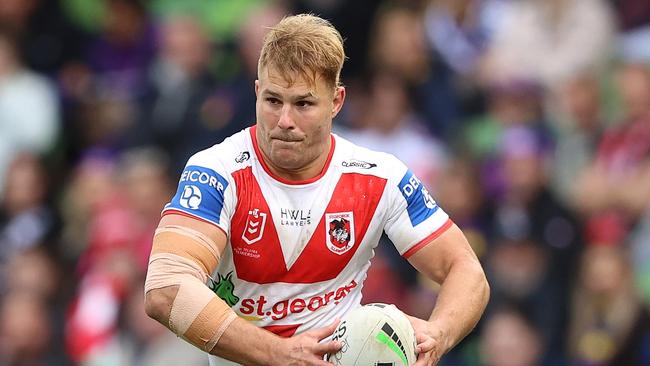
{"x": 305, "y": 45}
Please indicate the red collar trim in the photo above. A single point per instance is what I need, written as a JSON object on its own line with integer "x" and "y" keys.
{"x": 284, "y": 180}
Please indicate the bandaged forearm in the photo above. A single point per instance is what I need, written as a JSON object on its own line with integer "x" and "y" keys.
{"x": 183, "y": 257}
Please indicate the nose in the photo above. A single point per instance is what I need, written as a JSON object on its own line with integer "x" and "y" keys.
{"x": 285, "y": 121}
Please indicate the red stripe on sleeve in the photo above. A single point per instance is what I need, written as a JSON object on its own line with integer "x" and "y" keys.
{"x": 429, "y": 239}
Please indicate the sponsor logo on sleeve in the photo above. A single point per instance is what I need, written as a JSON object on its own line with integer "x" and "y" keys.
{"x": 201, "y": 191}
{"x": 191, "y": 197}
{"x": 419, "y": 203}
{"x": 354, "y": 163}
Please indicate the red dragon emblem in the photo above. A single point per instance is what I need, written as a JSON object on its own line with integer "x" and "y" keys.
{"x": 340, "y": 232}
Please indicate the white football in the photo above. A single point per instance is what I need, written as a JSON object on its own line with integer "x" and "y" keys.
{"x": 375, "y": 335}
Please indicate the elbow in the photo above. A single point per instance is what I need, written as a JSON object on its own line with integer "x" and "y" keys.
{"x": 481, "y": 286}
{"x": 484, "y": 286}
{"x": 486, "y": 290}
{"x": 158, "y": 303}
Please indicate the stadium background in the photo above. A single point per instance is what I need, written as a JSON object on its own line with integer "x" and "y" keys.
{"x": 529, "y": 120}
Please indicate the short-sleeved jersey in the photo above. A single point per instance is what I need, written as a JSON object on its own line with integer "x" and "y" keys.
{"x": 298, "y": 252}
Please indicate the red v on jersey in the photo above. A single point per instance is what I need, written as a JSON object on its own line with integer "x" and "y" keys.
{"x": 285, "y": 331}
{"x": 257, "y": 252}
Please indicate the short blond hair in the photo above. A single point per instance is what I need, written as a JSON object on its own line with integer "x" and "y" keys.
{"x": 305, "y": 45}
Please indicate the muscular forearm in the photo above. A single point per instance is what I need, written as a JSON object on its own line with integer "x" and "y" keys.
{"x": 256, "y": 348}
{"x": 247, "y": 344}
{"x": 461, "y": 302}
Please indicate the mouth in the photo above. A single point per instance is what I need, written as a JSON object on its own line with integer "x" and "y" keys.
{"x": 285, "y": 139}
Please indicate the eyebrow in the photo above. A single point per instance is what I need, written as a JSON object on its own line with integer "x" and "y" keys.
{"x": 295, "y": 98}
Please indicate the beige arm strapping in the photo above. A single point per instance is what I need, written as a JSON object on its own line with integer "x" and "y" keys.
{"x": 184, "y": 257}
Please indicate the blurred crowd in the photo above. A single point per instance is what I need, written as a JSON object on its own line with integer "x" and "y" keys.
{"x": 529, "y": 120}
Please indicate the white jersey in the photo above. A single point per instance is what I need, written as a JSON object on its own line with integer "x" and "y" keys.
{"x": 298, "y": 252}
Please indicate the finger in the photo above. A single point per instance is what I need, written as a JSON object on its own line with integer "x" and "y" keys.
{"x": 327, "y": 347}
{"x": 425, "y": 346}
{"x": 421, "y": 337}
{"x": 322, "y": 333}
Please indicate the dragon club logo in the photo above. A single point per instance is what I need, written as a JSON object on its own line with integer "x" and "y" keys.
{"x": 224, "y": 288}
{"x": 340, "y": 232}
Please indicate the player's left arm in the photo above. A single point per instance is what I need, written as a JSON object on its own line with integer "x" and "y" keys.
{"x": 450, "y": 261}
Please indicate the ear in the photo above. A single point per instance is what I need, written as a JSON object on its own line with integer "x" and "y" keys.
{"x": 339, "y": 98}
{"x": 257, "y": 88}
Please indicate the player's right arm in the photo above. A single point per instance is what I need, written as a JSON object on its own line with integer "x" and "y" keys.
{"x": 185, "y": 251}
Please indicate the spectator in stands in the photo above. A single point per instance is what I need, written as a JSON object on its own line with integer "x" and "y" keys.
{"x": 144, "y": 342}
{"x": 121, "y": 53}
{"x": 462, "y": 195}
{"x": 512, "y": 105}
{"x": 22, "y": 126}
{"x": 536, "y": 241}
{"x": 509, "y": 338}
{"x": 236, "y": 94}
{"x": 617, "y": 181}
{"x": 640, "y": 256}
{"x": 32, "y": 271}
{"x": 88, "y": 183}
{"x": 26, "y": 220}
{"x": 634, "y": 25}
{"x": 392, "y": 125}
{"x": 578, "y": 126}
{"x": 175, "y": 108}
{"x": 609, "y": 324}
{"x": 47, "y": 39}
{"x": 119, "y": 239}
{"x": 550, "y": 40}
{"x": 399, "y": 47}
{"x": 25, "y": 331}
{"x": 459, "y": 34}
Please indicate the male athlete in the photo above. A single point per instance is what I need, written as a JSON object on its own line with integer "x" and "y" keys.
{"x": 269, "y": 237}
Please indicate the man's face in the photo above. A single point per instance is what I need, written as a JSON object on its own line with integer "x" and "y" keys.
{"x": 294, "y": 120}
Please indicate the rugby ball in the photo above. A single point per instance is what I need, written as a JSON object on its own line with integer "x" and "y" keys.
{"x": 374, "y": 335}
